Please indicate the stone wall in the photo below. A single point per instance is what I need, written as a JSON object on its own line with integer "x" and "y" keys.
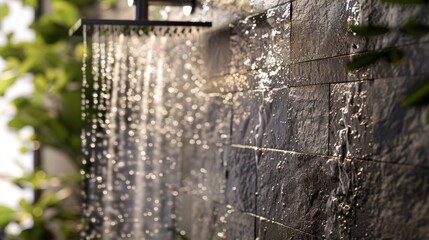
{"x": 294, "y": 147}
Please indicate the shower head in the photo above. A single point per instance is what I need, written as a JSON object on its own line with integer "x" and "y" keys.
{"x": 141, "y": 22}
{"x": 158, "y": 28}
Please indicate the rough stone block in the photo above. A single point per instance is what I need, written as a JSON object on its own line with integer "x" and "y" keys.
{"x": 261, "y": 41}
{"x": 308, "y": 115}
{"x": 216, "y": 53}
{"x": 400, "y": 135}
{"x": 247, "y": 114}
{"x": 293, "y": 190}
{"x": 351, "y": 120}
{"x": 415, "y": 64}
{"x": 239, "y": 225}
{"x": 241, "y": 180}
{"x": 275, "y": 125}
{"x": 391, "y": 202}
{"x": 319, "y": 29}
{"x": 273, "y": 231}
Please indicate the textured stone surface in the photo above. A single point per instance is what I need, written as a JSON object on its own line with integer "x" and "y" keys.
{"x": 318, "y": 29}
{"x": 247, "y": 114}
{"x": 400, "y": 135}
{"x": 415, "y": 65}
{"x": 273, "y": 231}
{"x": 261, "y": 41}
{"x": 308, "y": 113}
{"x": 392, "y": 202}
{"x": 296, "y": 186}
{"x": 350, "y": 120}
{"x": 241, "y": 181}
{"x": 276, "y": 123}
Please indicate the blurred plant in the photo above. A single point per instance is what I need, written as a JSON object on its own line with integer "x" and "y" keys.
{"x": 37, "y": 219}
{"x": 412, "y": 27}
{"x": 53, "y": 61}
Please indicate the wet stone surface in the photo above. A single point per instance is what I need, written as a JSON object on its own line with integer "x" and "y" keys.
{"x": 319, "y": 29}
{"x": 241, "y": 179}
{"x": 296, "y": 186}
{"x": 400, "y": 135}
{"x": 392, "y": 203}
{"x": 350, "y": 120}
{"x": 269, "y": 230}
{"x": 261, "y": 41}
{"x": 308, "y": 114}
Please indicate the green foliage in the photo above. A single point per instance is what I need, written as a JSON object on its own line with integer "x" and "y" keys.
{"x": 49, "y": 204}
{"x": 4, "y": 11}
{"x": 413, "y": 28}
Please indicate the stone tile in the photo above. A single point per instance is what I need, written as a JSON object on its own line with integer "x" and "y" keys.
{"x": 240, "y": 225}
{"x": 351, "y": 120}
{"x": 400, "y": 135}
{"x": 318, "y": 29}
{"x": 308, "y": 115}
{"x": 329, "y": 70}
{"x": 261, "y": 79}
{"x": 293, "y": 190}
{"x": 393, "y": 16}
{"x": 241, "y": 179}
{"x": 273, "y": 231}
{"x": 276, "y": 121}
{"x": 392, "y": 202}
{"x": 216, "y": 53}
{"x": 261, "y": 5}
{"x": 261, "y": 41}
{"x": 247, "y": 113}
{"x": 218, "y": 118}
{"x": 415, "y": 65}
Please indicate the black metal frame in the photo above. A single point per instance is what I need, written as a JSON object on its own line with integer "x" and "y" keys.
{"x": 78, "y": 27}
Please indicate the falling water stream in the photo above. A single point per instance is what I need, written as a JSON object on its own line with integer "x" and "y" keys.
{"x": 135, "y": 128}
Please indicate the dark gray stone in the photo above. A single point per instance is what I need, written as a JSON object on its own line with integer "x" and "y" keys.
{"x": 216, "y": 52}
{"x": 415, "y": 64}
{"x": 240, "y": 225}
{"x": 247, "y": 114}
{"x": 261, "y": 41}
{"x": 392, "y": 202}
{"x": 308, "y": 114}
{"x": 241, "y": 180}
{"x": 276, "y": 122}
{"x": 400, "y": 135}
{"x": 273, "y": 231}
{"x": 329, "y": 70}
{"x": 293, "y": 190}
{"x": 351, "y": 120}
{"x": 319, "y": 29}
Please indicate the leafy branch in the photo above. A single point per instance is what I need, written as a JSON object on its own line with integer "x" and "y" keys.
{"x": 412, "y": 27}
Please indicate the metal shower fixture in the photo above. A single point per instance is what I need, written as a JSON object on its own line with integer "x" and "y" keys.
{"x": 141, "y": 21}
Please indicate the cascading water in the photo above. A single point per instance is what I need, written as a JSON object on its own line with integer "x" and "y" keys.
{"x": 135, "y": 123}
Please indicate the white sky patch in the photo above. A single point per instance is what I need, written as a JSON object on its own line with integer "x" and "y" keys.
{"x": 10, "y": 142}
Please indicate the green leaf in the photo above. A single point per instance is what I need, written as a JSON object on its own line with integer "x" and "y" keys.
{"x": 368, "y": 31}
{"x": 405, "y": 1}
{"x": 363, "y": 61}
{"x": 6, "y": 83}
{"x": 418, "y": 96}
{"x": 6, "y": 216}
{"x": 415, "y": 28}
{"x": 395, "y": 56}
{"x": 4, "y": 11}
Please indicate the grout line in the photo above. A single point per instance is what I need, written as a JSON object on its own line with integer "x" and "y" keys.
{"x": 323, "y": 155}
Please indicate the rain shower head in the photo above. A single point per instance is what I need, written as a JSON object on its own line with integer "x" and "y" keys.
{"x": 141, "y": 22}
